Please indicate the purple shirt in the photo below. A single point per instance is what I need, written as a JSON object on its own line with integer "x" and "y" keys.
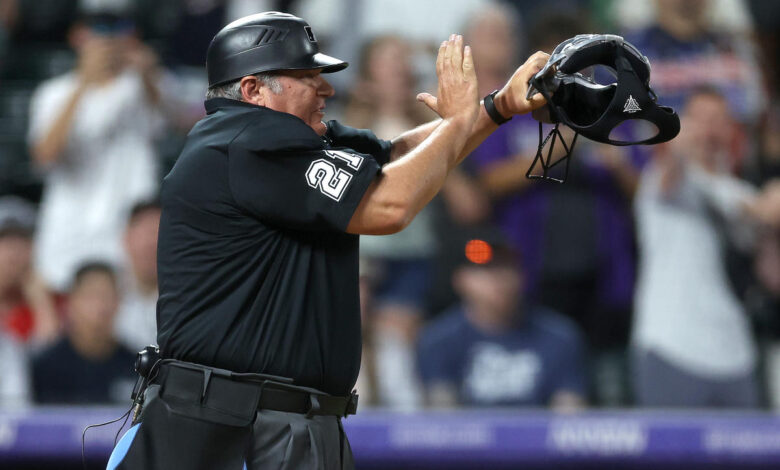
{"x": 720, "y": 60}
{"x": 601, "y": 242}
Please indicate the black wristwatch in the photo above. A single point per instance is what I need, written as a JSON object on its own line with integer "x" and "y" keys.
{"x": 490, "y": 107}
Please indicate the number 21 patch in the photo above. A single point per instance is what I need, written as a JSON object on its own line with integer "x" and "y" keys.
{"x": 330, "y": 180}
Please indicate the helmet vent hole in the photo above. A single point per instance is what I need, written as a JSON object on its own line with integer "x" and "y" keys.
{"x": 310, "y": 33}
{"x": 269, "y": 35}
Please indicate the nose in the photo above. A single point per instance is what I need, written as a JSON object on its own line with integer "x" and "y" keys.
{"x": 325, "y": 89}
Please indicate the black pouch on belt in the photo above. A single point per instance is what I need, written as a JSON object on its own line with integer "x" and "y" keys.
{"x": 194, "y": 418}
{"x": 209, "y": 395}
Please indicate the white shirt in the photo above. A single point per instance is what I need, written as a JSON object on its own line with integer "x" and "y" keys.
{"x": 685, "y": 308}
{"x": 107, "y": 166}
{"x": 136, "y": 322}
{"x": 14, "y": 378}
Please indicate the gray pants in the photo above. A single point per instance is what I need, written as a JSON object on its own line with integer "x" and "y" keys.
{"x": 659, "y": 383}
{"x": 292, "y": 441}
{"x": 169, "y": 437}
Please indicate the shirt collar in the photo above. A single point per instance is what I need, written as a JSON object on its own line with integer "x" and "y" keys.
{"x": 214, "y": 104}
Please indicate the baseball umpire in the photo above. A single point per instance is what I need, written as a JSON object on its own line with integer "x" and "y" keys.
{"x": 258, "y": 316}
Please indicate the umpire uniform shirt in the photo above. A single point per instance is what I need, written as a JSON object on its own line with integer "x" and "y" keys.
{"x": 256, "y": 272}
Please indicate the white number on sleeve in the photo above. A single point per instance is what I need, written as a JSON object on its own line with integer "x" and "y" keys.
{"x": 331, "y": 181}
{"x": 352, "y": 160}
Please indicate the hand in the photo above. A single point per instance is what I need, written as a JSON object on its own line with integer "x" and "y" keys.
{"x": 458, "y": 98}
{"x": 98, "y": 61}
{"x": 510, "y": 100}
{"x": 141, "y": 57}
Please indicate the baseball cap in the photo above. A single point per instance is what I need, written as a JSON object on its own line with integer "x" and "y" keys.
{"x": 17, "y": 216}
{"x": 488, "y": 248}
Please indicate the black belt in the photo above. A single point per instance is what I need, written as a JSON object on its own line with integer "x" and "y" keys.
{"x": 233, "y": 393}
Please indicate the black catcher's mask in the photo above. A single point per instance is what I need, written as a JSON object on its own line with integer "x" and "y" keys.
{"x": 575, "y": 98}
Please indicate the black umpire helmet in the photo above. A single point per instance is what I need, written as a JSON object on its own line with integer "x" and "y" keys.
{"x": 265, "y": 42}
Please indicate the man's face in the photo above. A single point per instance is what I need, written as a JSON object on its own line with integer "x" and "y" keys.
{"x": 706, "y": 131}
{"x": 15, "y": 258}
{"x": 688, "y": 10}
{"x": 303, "y": 95}
{"x": 493, "y": 42}
{"x": 494, "y": 291}
{"x": 93, "y": 304}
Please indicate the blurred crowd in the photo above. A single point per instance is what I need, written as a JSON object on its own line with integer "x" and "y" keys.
{"x": 651, "y": 278}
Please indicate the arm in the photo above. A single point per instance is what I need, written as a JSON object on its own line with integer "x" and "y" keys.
{"x": 144, "y": 60}
{"x": 408, "y": 183}
{"x": 48, "y": 148}
{"x": 509, "y": 101}
{"x": 505, "y": 176}
{"x": 95, "y": 67}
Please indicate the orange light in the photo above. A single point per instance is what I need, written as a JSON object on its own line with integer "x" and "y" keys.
{"x": 479, "y": 251}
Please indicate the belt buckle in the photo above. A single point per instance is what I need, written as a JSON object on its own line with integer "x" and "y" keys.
{"x": 314, "y": 406}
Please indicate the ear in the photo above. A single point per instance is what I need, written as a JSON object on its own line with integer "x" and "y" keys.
{"x": 252, "y": 90}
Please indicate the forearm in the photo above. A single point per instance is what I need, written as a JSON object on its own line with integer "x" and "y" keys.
{"x": 150, "y": 79}
{"x": 410, "y": 139}
{"x": 483, "y": 127}
{"x": 505, "y": 177}
{"x": 47, "y": 149}
{"x": 409, "y": 183}
{"x": 422, "y": 172}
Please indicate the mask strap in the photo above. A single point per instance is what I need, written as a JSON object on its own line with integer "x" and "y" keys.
{"x": 548, "y": 164}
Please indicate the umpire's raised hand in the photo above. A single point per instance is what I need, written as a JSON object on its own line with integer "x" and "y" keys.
{"x": 457, "y": 92}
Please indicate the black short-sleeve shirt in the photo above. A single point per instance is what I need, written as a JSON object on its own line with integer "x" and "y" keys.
{"x": 256, "y": 272}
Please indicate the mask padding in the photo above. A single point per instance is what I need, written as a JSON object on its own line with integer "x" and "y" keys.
{"x": 585, "y": 105}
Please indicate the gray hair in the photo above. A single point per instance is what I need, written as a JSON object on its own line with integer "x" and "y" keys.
{"x": 232, "y": 90}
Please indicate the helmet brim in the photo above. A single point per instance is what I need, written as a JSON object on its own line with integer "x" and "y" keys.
{"x": 328, "y": 64}
{"x": 324, "y": 62}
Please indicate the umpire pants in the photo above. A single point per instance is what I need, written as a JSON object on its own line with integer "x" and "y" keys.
{"x": 166, "y": 439}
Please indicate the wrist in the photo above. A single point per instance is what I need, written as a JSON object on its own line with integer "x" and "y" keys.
{"x": 493, "y": 111}
{"x": 458, "y": 122}
{"x": 501, "y": 103}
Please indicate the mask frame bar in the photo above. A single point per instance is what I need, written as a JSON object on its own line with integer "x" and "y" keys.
{"x": 548, "y": 165}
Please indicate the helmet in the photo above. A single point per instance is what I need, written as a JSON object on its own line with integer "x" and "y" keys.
{"x": 262, "y": 43}
{"x": 575, "y": 98}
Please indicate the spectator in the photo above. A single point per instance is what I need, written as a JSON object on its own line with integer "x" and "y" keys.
{"x": 136, "y": 324}
{"x": 383, "y": 101}
{"x": 27, "y": 311}
{"x": 91, "y": 133}
{"x": 493, "y": 349}
{"x": 692, "y": 338}
{"x": 686, "y": 52}
{"x": 14, "y": 387}
{"x": 345, "y": 24}
{"x": 88, "y": 365}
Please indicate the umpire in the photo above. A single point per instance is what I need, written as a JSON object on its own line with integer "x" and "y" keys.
{"x": 258, "y": 316}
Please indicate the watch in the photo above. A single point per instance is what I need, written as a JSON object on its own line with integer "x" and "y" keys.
{"x": 490, "y": 107}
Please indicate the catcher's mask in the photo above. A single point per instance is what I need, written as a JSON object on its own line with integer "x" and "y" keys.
{"x": 575, "y": 99}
